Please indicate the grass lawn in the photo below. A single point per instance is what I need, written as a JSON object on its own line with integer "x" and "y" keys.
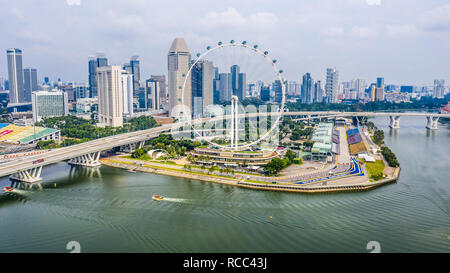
{"x": 375, "y": 170}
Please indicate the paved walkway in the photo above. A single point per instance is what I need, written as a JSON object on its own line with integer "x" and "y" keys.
{"x": 344, "y": 155}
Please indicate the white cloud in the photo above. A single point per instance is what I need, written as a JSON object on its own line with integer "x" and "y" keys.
{"x": 437, "y": 19}
{"x": 400, "y": 30}
{"x": 364, "y": 32}
{"x": 361, "y": 32}
{"x": 232, "y": 18}
{"x": 227, "y": 18}
{"x": 333, "y": 31}
{"x": 373, "y": 2}
{"x": 73, "y": 2}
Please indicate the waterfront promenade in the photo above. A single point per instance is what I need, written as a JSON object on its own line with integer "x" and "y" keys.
{"x": 347, "y": 181}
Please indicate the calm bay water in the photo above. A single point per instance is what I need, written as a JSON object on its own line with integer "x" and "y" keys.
{"x": 112, "y": 211}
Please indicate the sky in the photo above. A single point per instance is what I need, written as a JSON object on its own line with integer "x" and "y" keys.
{"x": 404, "y": 41}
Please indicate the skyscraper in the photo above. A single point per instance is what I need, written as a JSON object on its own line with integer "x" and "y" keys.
{"x": 15, "y": 75}
{"x": 318, "y": 92}
{"x": 178, "y": 65}
{"x": 110, "y": 95}
{"x": 265, "y": 93}
{"x": 358, "y": 86}
{"x": 277, "y": 88}
{"x": 162, "y": 87}
{"x": 379, "y": 93}
{"x": 202, "y": 75}
{"x": 95, "y": 63}
{"x": 225, "y": 90}
{"x": 372, "y": 91}
{"x": 133, "y": 69}
{"x": 332, "y": 85}
{"x": 438, "y": 89}
{"x": 242, "y": 86}
{"x": 238, "y": 82}
{"x": 307, "y": 94}
{"x": 127, "y": 95}
{"x": 216, "y": 84}
{"x": 151, "y": 99}
{"x": 30, "y": 82}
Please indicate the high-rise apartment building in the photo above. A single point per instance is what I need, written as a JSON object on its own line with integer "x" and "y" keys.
{"x": 30, "y": 82}
{"x": 358, "y": 86}
{"x": 49, "y": 104}
{"x": 15, "y": 76}
{"x": 179, "y": 59}
{"x": 332, "y": 85}
{"x": 439, "y": 89}
{"x": 110, "y": 95}
{"x": 379, "y": 93}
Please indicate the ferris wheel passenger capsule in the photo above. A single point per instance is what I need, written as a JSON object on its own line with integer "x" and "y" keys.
{"x": 208, "y": 48}
{"x": 281, "y": 71}
{"x": 255, "y": 46}
{"x": 274, "y": 61}
{"x": 198, "y": 54}
{"x": 244, "y": 42}
{"x": 232, "y": 41}
{"x": 219, "y": 43}
{"x": 266, "y": 52}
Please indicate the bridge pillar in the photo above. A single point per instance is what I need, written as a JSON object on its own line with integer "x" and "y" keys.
{"x": 87, "y": 160}
{"x": 27, "y": 178}
{"x": 432, "y": 122}
{"x": 395, "y": 122}
{"x": 141, "y": 144}
{"x": 132, "y": 146}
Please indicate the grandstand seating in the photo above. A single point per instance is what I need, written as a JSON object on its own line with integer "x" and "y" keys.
{"x": 10, "y": 133}
{"x": 352, "y": 132}
{"x": 353, "y": 139}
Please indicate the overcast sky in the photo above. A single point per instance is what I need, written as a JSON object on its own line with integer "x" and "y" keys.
{"x": 405, "y": 41}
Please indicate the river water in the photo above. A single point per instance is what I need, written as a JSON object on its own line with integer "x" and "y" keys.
{"x": 112, "y": 211}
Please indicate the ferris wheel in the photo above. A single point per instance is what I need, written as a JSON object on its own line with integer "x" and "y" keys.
{"x": 262, "y": 57}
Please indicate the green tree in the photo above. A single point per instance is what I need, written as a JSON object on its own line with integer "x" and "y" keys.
{"x": 138, "y": 153}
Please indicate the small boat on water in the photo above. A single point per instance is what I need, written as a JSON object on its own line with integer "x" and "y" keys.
{"x": 8, "y": 189}
{"x": 157, "y": 197}
{"x": 131, "y": 170}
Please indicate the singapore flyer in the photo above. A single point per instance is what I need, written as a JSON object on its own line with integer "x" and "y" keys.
{"x": 251, "y": 70}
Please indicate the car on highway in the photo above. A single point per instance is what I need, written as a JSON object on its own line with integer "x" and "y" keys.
{"x": 38, "y": 161}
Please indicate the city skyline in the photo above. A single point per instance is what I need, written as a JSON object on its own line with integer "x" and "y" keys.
{"x": 333, "y": 42}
